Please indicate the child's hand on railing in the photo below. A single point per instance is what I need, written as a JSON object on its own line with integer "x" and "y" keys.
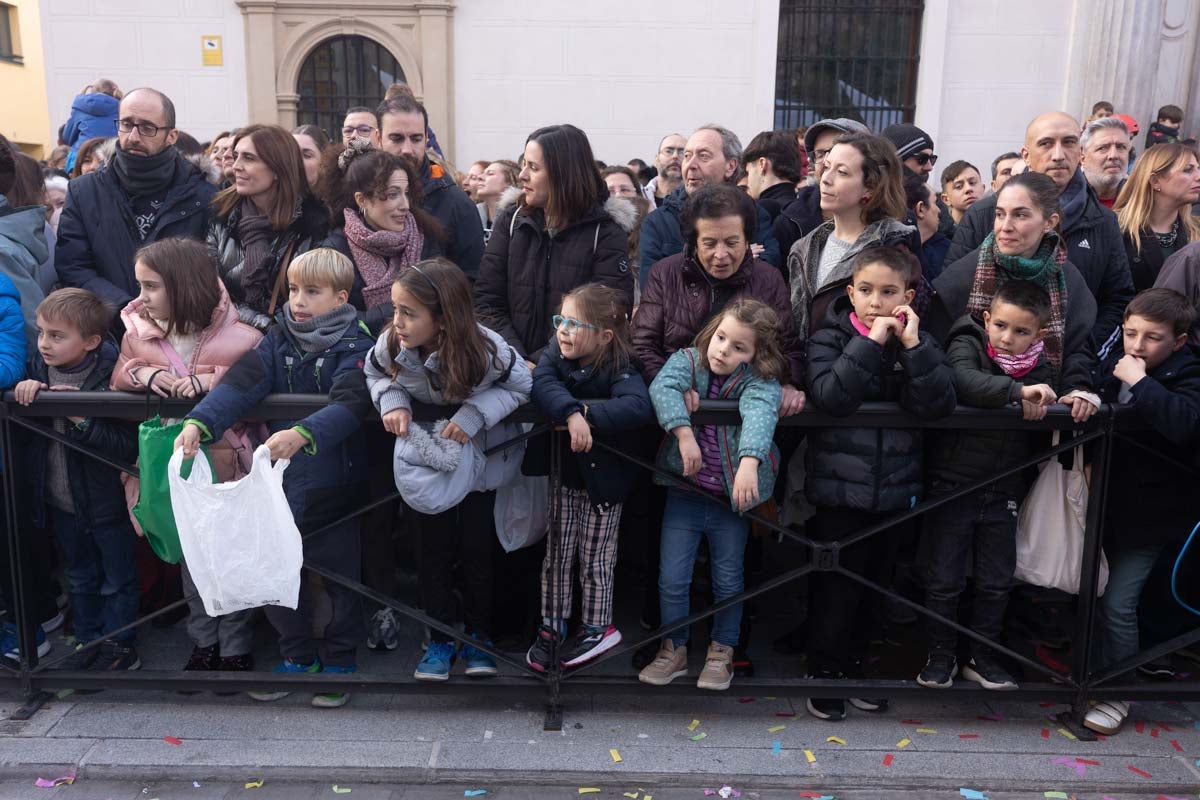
{"x": 27, "y": 391}
{"x": 581, "y": 433}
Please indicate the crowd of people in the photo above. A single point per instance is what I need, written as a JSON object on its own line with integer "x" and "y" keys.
{"x": 812, "y": 268}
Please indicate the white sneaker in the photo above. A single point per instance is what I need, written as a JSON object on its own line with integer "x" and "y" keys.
{"x": 1106, "y": 716}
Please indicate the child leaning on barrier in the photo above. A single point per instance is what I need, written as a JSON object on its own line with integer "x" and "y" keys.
{"x": 317, "y": 347}
{"x": 81, "y": 498}
{"x": 999, "y": 360}
{"x": 1152, "y": 502}
{"x": 436, "y": 352}
{"x": 871, "y": 349}
{"x": 590, "y": 357}
{"x": 737, "y": 356}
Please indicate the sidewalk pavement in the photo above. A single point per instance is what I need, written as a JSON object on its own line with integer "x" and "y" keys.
{"x": 668, "y": 746}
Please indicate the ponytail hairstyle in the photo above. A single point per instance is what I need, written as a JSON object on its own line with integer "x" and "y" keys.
{"x": 608, "y": 310}
{"x": 769, "y": 362}
{"x": 347, "y": 169}
{"x": 190, "y": 278}
{"x": 464, "y": 351}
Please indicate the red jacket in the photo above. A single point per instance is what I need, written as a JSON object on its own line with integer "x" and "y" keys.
{"x": 678, "y": 299}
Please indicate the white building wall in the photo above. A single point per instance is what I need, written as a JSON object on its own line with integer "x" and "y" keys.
{"x": 148, "y": 42}
{"x": 522, "y": 64}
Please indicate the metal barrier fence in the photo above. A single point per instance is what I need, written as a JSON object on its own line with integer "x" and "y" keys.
{"x": 1084, "y": 682}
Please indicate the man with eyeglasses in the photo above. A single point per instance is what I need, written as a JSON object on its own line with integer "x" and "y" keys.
{"x": 669, "y": 163}
{"x": 360, "y": 123}
{"x": 146, "y": 193}
{"x": 1090, "y": 231}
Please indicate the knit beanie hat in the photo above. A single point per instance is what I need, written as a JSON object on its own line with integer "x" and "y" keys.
{"x": 841, "y": 124}
{"x": 908, "y": 139}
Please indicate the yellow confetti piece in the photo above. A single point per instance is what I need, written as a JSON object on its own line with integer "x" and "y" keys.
{"x": 1067, "y": 734}
{"x": 65, "y": 693}
{"x": 695, "y": 724}
{"x": 258, "y": 784}
{"x": 588, "y": 790}
{"x": 836, "y": 740}
{"x": 808, "y": 754}
{"x": 776, "y": 728}
{"x": 926, "y": 730}
{"x": 903, "y": 743}
{"x": 631, "y": 795}
{"x": 341, "y": 789}
{"x": 615, "y": 755}
{"x": 699, "y": 736}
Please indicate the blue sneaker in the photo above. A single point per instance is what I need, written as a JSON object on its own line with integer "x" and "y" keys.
{"x": 435, "y": 666}
{"x": 333, "y": 699}
{"x": 10, "y": 643}
{"x": 479, "y": 663}
{"x": 287, "y": 666}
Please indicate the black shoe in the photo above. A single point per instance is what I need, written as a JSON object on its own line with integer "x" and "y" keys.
{"x": 827, "y": 708}
{"x": 202, "y": 658}
{"x": 538, "y": 655}
{"x": 80, "y": 659}
{"x": 642, "y": 657}
{"x": 987, "y": 672}
{"x": 116, "y": 656}
{"x": 589, "y": 642}
{"x": 939, "y": 671}
{"x": 792, "y": 643}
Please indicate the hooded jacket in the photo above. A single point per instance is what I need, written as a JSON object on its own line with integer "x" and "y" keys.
{"x": 1152, "y": 501}
{"x": 525, "y": 271}
{"x": 22, "y": 250}
{"x": 958, "y": 457}
{"x": 560, "y": 387}
{"x": 454, "y": 210}
{"x": 1147, "y": 262}
{"x": 1094, "y": 246}
{"x": 307, "y": 230}
{"x": 680, "y": 298}
{"x": 953, "y": 287}
{"x": 97, "y": 235}
{"x": 871, "y": 469}
{"x": 662, "y": 236}
{"x": 96, "y": 490}
{"x": 1181, "y": 272}
{"x": 327, "y": 478}
{"x": 91, "y": 115}
{"x": 12, "y": 335}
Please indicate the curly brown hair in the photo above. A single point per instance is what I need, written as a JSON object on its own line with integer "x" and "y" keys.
{"x": 769, "y": 361}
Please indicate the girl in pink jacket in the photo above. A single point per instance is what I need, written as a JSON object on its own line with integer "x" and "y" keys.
{"x": 182, "y": 335}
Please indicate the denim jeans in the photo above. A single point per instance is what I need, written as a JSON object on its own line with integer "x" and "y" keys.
{"x": 979, "y": 532}
{"x": 688, "y": 518}
{"x": 1128, "y": 568}
{"x": 101, "y": 574}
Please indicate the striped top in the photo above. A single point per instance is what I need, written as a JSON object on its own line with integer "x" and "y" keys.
{"x": 711, "y": 475}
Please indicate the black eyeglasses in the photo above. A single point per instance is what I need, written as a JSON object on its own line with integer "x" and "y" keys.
{"x": 365, "y": 130}
{"x": 925, "y": 158}
{"x": 147, "y": 130}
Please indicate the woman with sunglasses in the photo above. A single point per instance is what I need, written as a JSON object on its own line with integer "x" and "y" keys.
{"x": 561, "y": 232}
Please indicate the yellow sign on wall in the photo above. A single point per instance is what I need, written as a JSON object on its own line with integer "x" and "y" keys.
{"x": 211, "y": 52}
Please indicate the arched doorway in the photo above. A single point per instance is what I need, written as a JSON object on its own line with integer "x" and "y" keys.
{"x": 341, "y": 73}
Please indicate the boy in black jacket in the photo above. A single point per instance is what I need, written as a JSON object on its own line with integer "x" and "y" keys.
{"x": 870, "y": 349}
{"x": 84, "y": 497}
{"x": 1152, "y": 504}
{"x": 998, "y": 361}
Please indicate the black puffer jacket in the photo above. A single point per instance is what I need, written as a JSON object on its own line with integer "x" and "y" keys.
{"x": 525, "y": 271}
{"x": 1147, "y": 262}
{"x": 959, "y": 457}
{"x": 798, "y": 218}
{"x": 871, "y": 469}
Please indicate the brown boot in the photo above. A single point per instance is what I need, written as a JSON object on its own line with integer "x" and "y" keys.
{"x": 669, "y": 664}
{"x": 718, "y": 668}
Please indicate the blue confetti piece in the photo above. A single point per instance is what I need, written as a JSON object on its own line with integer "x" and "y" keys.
{"x": 777, "y": 748}
{"x": 474, "y": 792}
{"x": 972, "y": 794}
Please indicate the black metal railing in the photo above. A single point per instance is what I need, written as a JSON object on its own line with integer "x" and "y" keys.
{"x": 1084, "y": 681}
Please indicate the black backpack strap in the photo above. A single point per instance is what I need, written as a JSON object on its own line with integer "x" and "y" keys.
{"x": 512, "y": 360}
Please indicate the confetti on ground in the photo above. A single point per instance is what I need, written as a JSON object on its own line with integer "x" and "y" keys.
{"x": 887, "y": 760}
{"x": 1068, "y": 734}
{"x": 776, "y": 747}
{"x": 903, "y": 743}
{"x": 195, "y": 784}
{"x": 172, "y": 740}
{"x": 1140, "y": 726}
{"x": 745, "y": 699}
{"x": 258, "y": 784}
{"x": 588, "y": 790}
{"x": 1164, "y": 726}
{"x": 835, "y": 739}
{"x": 976, "y": 735}
{"x": 911, "y": 722}
{"x": 1088, "y": 761}
{"x": 1154, "y": 733}
{"x": 469, "y": 793}
{"x": 1047, "y": 704}
{"x": 65, "y": 780}
{"x": 695, "y": 724}
{"x": 972, "y": 794}
{"x": 1168, "y": 797}
{"x": 991, "y": 717}
{"x": 487, "y": 736}
{"x": 1137, "y": 771}
{"x": 631, "y": 795}
{"x": 1175, "y": 743}
{"x": 808, "y": 755}
{"x": 1045, "y": 733}
{"x": 64, "y": 694}
{"x": 616, "y": 757}
{"x": 1080, "y": 769}
{"x": 1056, "y": 795}
{"x": 699, "y": 736}
{"x": 926, "y": 730}
{"x": 785, "y": 713}
{"x": 776, "y": 728}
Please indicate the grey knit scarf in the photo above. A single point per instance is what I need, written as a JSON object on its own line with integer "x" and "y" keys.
{"x": 318, "y": 334}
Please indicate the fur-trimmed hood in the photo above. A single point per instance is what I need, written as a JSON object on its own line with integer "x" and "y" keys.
{"x": 208, "y": 168}
{"x": 621, "y": 210}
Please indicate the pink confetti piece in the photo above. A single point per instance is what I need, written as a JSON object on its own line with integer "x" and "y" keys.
{"x": 1140, "y": 726}
{"x": 1088, "y": 761}
{"x": 1164, "y": 726}
{"x": 746, "y": 699}
{"x": 65, "y": 780}
{"x": 1045, "y": 733}
{"x": 172, "y": 740}
{"x": 1137, "y": 771}
{"x": 968, "y": 736}
{"x": 911, "y": 722}
{"x": 1080, "y": 769}
{"x": 1175, "y": 743}
{"x": 887, "y": 760}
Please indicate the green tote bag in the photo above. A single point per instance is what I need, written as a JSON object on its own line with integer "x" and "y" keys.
{"x": 153, "y": 509}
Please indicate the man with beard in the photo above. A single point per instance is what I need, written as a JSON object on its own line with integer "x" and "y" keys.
{"x": 146, "y": 193}
{"x": 404, "y": 124}
{"x": 669, "y": 163}
{"x": 1105, "y": 161}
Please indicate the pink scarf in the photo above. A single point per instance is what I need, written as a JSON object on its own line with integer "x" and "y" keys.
{"x": 1017, "y": 366}
{"x": 859, "y": 325}
{"x": 381, "y": 256}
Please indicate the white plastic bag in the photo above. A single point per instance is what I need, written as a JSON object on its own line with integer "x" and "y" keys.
{"x": 1051, "y": 525}
{"x": 521, "y": 512}
{"x": 239, "y": 539}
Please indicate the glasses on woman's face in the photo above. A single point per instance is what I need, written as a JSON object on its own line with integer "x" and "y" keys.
{"x": 925, "y": 158}
{"x": 569, "y": 324}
